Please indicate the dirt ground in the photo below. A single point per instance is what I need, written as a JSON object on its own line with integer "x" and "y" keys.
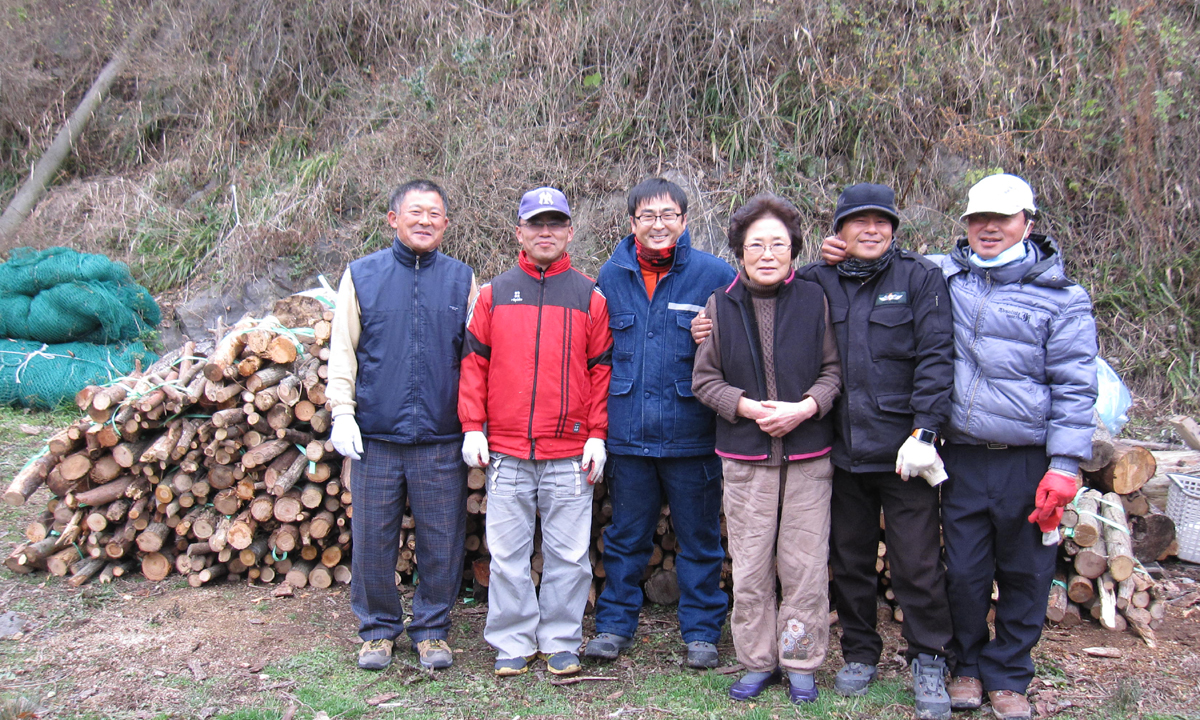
{"x": 141, "y": 649}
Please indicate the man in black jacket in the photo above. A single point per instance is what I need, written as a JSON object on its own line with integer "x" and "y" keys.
{"x": 891, "y": 314}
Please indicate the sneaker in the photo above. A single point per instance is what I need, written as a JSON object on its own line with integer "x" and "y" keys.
{"x": 929, "y": 687}
{"x": 1009, "y": 705}
{"x": 966, "y": 693}
{"x": 507, "y": 667}
{"x": 701, "y": 655}
{"x": 562, "y": 663}
{"x": 435, "y": 654}
{"x": 853, "y": 679}
{"x": 606, "y": 646}
{"x": 375, "y": 654}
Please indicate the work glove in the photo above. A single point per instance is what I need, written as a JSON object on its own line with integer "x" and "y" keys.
{"x": 1056, "y": 489}
{"x": 935, "y": 475}
{"x": 347, "y": 439}
{"x": 915, "y": 458}
{"x": 475, "y": 449}
{"x": 594, "y": 458}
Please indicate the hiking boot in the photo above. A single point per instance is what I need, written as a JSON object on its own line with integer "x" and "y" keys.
{"x": 853, "y": 679}
{"x": 562, "y": 663}
{"x": 1009, "y": 705}
{"x": 929, "y": 687}
{"x": 966, "y": 693}
{"x": 375, "y": 654}
{"x": 507, "y": 667}
{"x": 606, "y": 646}
{"x": 701, "y": 655}
{"x": 435, "y": 654}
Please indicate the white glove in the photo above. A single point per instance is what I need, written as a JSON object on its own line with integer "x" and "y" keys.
{"x": 475, "y": 449}
{"x": 936, "y": 475}
{"x": 915, "y": 457}
{"x": 347, "y": 439}
{"x": 594, "y": 457}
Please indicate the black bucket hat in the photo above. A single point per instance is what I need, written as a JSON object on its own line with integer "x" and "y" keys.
{"x": 866, "y": 196}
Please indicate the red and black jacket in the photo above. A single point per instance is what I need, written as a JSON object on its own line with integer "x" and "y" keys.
{"x": 537, "y": 359}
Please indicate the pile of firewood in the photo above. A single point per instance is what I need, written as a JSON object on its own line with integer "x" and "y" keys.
{"x": 215, "y": 465}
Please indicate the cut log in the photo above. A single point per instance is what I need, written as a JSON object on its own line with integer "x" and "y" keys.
{"x": 1129, "y": 470}
{"x": 227, "y": 350}
{"x": 104, "y": 494}
{"x": 1087, "y": 527}
{"x": 1102, "y": 447}
{"x": 264, "y": 452}
{"x": 1187, "y": 429}
{"x": 85, "y": 569}
{"x": 1106, "y": 590}
{"x": 29, "y": 479}
{"x": 297, "y": 577}
{"x": 662, "y": 588}
{"x": 153, "y": 537}
{"x": 1152, "y": 534}
{"x": 1117, "y": 540}
{"x": 1056, "y": 605}
{"x": 157, "y": 566}
{"x": 1092, "y": 562}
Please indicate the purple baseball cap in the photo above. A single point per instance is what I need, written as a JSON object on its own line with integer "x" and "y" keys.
{"x": 543, "y": 199}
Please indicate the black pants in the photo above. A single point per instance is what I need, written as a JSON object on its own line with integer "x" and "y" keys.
{"x": 914, "y": 552}
{"x": 985, "y": 506}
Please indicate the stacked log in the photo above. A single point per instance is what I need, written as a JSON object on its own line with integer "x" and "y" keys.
{"x": 218, "y": 466}
{"x": 214, "y": 465}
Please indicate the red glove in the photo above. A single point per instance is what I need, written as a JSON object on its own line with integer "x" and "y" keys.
{"x": 1053, "y": 493}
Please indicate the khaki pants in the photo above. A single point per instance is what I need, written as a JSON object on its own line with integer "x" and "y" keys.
{"x": 778, "y": 521}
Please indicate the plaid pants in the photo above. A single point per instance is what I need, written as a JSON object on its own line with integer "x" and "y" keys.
{"x": 434, "y": 480}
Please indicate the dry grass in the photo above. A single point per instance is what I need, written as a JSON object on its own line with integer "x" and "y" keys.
{"x": 287, "y": 121}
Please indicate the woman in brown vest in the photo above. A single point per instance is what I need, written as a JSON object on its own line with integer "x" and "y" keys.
{"x": 770, "y": 370}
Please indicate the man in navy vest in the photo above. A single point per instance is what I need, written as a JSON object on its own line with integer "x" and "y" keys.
{"x": 393, "y": 384}
{"x": 660, "y": 437}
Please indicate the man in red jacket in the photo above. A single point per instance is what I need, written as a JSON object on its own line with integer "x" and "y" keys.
{"x": 535, "y": 369}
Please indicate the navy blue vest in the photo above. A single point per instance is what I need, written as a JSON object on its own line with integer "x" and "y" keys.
{"x": 414, "y": 313}
{"x": 799, "y": 345}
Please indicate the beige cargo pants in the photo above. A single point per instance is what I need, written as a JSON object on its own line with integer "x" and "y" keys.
{"x": 778, "y": 523}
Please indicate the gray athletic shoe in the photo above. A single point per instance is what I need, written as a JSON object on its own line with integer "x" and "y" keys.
{"x": 929, "y": 687}
{"x": 853, "y": 679}
{"x": 375, "y": 655}
{"x": 435, "y": 654}
{"x": 701, "y": 655}
{"x": 606, "y": 646}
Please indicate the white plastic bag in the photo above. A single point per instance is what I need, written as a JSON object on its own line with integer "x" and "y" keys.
{"x": 1112, "y": 398}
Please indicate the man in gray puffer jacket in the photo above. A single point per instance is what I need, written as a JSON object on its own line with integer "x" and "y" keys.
{"x": 1021, "y": 421}
{"x": 1024, "y": 388}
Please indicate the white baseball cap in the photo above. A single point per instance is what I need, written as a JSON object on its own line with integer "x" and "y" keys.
{"x": 1001, "y": 194}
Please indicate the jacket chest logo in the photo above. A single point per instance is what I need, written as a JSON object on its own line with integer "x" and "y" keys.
{"x": 899, "y": 297}
{"x": 516, "y": 296}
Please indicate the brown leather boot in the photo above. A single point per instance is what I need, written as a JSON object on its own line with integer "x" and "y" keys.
{"x": 966, "y": 693}
{"x": 1009, "y": 705}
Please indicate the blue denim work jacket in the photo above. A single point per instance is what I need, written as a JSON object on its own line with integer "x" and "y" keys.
{"x": 651, "y": 409}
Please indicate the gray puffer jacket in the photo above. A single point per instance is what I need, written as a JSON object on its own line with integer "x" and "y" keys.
{"x": 1024, "y": 354}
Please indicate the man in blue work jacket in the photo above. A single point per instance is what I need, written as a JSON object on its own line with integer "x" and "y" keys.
{"x": 660, "y": 439}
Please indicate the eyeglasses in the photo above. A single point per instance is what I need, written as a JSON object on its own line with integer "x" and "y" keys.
{"x": 552, "y": 225}
{"x": 754, "y": 250}
{"x": 668, "y": 217}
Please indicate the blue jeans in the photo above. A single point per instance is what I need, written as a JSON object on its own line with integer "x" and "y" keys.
{"x": 692, "y": 487}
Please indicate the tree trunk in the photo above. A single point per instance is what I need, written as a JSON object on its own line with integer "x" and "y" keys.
{"x": 33, "y": 189}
